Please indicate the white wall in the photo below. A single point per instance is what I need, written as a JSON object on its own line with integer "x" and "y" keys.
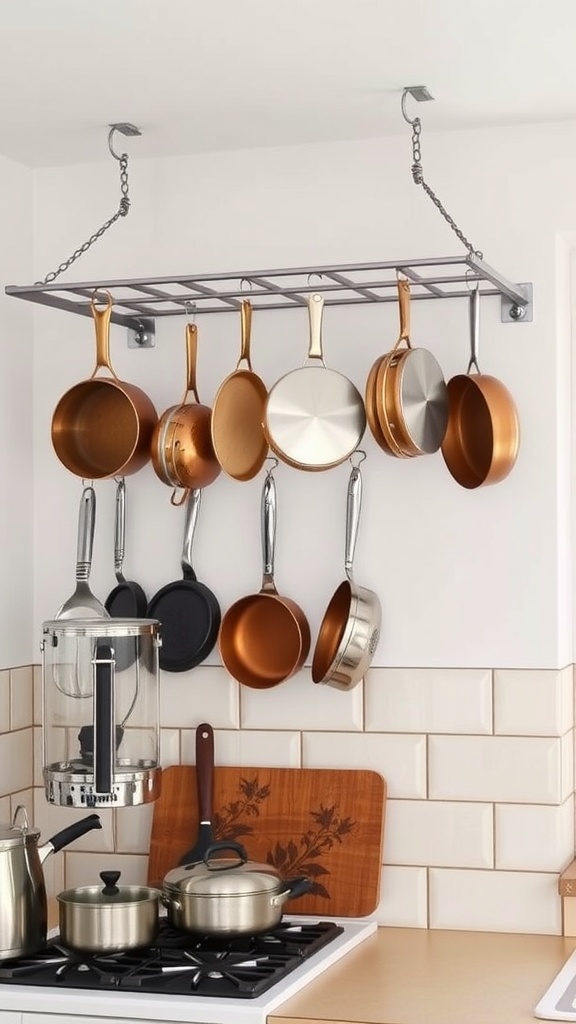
{"x": 465, "y": 578}
{"x": 16, "y": 416}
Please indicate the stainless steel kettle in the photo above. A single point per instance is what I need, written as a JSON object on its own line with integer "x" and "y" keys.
{"x": 23, "y": 908}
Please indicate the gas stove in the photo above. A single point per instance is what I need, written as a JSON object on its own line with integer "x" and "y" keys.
{"x": 184, "y": 976}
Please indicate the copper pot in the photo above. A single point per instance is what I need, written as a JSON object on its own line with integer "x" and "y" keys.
{"x": 182, "y": 452}
{"x": 102, "y": 427}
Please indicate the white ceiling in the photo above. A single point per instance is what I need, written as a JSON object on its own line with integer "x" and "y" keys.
{"x": 228, "y": 74}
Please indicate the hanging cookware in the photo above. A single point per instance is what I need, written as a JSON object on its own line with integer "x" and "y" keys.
{"x": 182, "y": 451}
{"x": 483, "y": 435}
{"x": 350, "y": 629}
{"x": 103, "y": 426}
{"x": 205, "y": 787}
{"x": 228, "y": 895}
{"x": 23, "y": 919}
{"x": 314, "y": 417}
{"x": 264, "y": 638}
{"x": 237, "y": 414}
{"x": 188, "y": 611}
{"x": 109, "y": 918}
{"x": 408, "y": 393}
{"x": 127, "y": 600}
{"x": 83, "y": 604}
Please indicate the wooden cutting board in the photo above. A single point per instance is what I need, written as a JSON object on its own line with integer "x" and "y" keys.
{"x": 327, "y": 824}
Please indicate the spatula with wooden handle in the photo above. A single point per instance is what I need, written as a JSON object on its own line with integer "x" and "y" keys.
{"x": 205, "y": 785}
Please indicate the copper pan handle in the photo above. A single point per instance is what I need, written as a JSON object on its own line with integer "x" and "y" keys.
{"x": 191, "y": 349}
{"x": 268, "y": 526}
{"x": 353, "y": 506}
{"x": 474, "y": 310}
{"x": 246, "y": 330}
{"x": 102, "y": 326}
{"x": 404, "y": 311}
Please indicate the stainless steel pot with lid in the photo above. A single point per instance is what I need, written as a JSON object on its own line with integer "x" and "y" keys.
{"x": 221, "y": 895}
{"x": 96, "y": 919}
{"x": 23, "y": 909}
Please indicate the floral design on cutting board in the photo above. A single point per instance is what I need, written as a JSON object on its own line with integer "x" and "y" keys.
{"x": 293, "y": 858}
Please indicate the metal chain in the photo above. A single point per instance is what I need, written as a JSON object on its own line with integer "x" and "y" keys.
{"x": 418, "y": 176}
{"x": 122, "y": 211}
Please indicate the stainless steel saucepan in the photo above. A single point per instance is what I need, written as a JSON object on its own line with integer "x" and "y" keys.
{"x": 228, "y": 895}
{"x": 105, "y": 919}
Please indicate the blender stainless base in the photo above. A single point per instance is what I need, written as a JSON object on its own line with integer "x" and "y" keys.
{"x": 71, "y": 784}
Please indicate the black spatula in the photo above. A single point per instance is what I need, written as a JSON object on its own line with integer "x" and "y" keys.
{"x": 205, "y": 785}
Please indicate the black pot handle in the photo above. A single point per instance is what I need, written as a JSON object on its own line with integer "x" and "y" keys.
{"x": 297, "y": 886}
{"x": 74, "y": 831}
{"x": 227, "y": 844}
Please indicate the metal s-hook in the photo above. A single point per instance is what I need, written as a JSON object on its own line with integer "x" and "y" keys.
{"x": 270, "y": 470}
{"x": 125, "y": 128}
{"x": 190, "y": 306}
{"x": 419, "y": 93}
{"x": 358, "y": 451}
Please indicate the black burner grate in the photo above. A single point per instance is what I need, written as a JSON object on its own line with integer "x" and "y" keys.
{"x": 180, "y": 963}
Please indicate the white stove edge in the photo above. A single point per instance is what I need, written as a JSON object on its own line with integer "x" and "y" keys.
{"x": 194, "y": 1010}
{"x": 547, "y": 1007}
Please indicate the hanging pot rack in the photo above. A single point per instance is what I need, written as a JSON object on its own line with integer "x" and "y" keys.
{"x": 138, "y": 302}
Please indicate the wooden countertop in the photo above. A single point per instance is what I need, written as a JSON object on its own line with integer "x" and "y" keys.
{"x": 415, "y": 976}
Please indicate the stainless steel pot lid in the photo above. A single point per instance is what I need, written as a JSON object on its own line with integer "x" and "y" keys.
{"x": 424, "y": 399}
{"x": 109, "y": 627}
{"x": 108, "y": 895}
{"x": 223, "y": 876}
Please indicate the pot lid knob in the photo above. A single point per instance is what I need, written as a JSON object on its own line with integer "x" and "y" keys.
{"x": 110, "y": 878}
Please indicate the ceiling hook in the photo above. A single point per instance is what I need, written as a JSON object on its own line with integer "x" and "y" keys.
{"x": 405, "y": 94}
{"x": 125, "y": 128}
{"x": 420, "y": 93}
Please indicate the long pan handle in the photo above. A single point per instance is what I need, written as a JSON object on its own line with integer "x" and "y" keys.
{"x": 120, "y": 530}
{"x": 246, "y": 331}
{"x": 268, "y": 527}
{"x": 353, "y": 506}
{"x": 474, "y": 310}
{"x": 315, "y": 311}
{"x": 205, "y": 772}
{"x": 85, "y": 544}
{"x": 103, "y": 722}
{"x": 192, "y": 509}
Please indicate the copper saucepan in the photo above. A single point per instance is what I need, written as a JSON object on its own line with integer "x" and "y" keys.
{"x": 102, "y": 427}
{"x": 483, "y": 436}
{"x": 182, "y": 451}
{"x": 264, "y": 638}
{"x": 350, "y": 629}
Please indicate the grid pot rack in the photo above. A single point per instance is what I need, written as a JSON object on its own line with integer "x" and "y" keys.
{"x": 138, "y": 302}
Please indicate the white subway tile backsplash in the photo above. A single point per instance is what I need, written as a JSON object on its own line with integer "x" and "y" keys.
{"x": 205, "y": 694}
{"x": 37, "y": 693}
{"x": 85, "y": 868}
{"x": 21, "y": 699}
{"x": 403, "y": 898}
{"x": 534, "y": 838}
{"x": 133, "y": 826}
{"x": 432, "y": 832}
{"x": 495, "y": 901}
{"x": 428, "y": 700}
{"x": 531, "y": 702}
{"x": 16, "y": 759}
{"x": 495, "y": 768}
{"x": 25, "y": 798}
{"x": 4, "y": 701}
{"x": 5, "y": 810}
{"x": 38, "y": 756}
{"x": 567, "y": 764}
{"x": 169, "y": 747}
{"x": 301, "y": 704}
{"x": 248, "y": 747}
{"x": 400, "y": 759}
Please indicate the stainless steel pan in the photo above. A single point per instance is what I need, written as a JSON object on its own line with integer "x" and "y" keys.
{"x": 314, "y": 417}
{"x": 350, "y": 629}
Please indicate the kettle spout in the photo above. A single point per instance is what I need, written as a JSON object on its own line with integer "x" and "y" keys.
{"x": 68, "y": 835}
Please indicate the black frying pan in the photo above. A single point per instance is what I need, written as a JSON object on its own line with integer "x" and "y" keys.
{"x": 187, "y": 610}
{"x": 127, "y": 600}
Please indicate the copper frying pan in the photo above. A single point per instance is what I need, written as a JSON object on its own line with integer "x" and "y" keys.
{"x": 78, "y": 437}
{"x": 238, "y": 412}
{"x": 182, "y": 451}
{"x": 264, "y": 638}
{"x": 483, "y": 436}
